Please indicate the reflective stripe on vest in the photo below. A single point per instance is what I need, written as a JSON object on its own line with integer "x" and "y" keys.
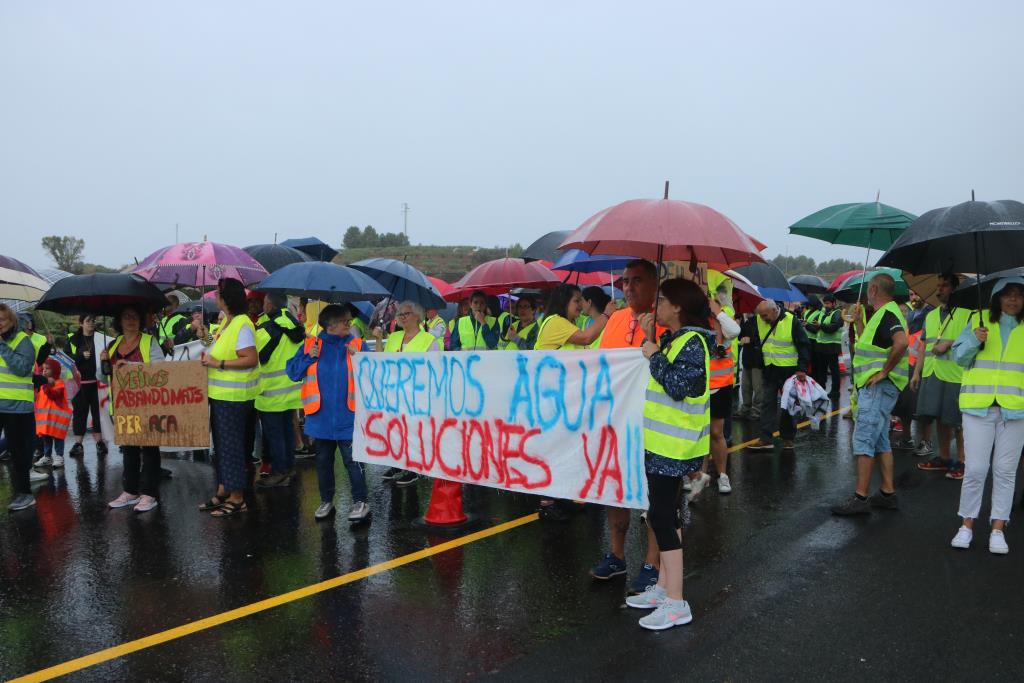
{"x": 277, "y": 392}
{"x": 311, "y": 387}
{"x": 232, "y": 384}
{"x": 778, "y": 349}
{"x": 471, "y": 337}
{"x": 997, "y": 375}
{"x": 869, "y": 359}
{"x": 422, "y": 342}
{"x": 680, "y": 430}
{"x": 943, "y": 367}
{"x": 15, "y": 387}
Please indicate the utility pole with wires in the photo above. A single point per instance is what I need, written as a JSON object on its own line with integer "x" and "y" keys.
{"x": 405, "y": 219}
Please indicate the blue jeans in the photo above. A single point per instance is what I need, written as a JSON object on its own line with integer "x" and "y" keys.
{"x": 279, "y": 438}
{"x": 874, "y": 409}
{"x": 52, "y": 445}
{"x": 325, "y": 470}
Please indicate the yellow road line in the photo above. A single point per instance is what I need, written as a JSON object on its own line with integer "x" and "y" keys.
{"x": 246, "y": 610}
{"x": 188, "y": 629}
{"x": 805, "y": 423}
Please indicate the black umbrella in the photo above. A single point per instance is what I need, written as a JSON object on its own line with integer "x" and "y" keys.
{"x": 972, "y": 290}
{"x": 314, "y": 246}
{"x": 403, "y": 281}
{"x": 764, "y": 275}
{"x": 101, "y": 294}
{"x": 973, "y": 237}
{"x": 546, "y": 248}
{"x": 276, "y": 256}
{"x": 809, "y": 284}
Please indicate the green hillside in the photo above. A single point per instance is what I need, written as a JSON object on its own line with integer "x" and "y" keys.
{"x": 447, "y": 263}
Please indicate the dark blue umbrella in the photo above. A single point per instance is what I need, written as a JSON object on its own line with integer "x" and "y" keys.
{"x": 404, "y": 282}
{"x": 314, "y": 246}
{"x": 364, "y": 310}
{"x": 323, "y": 281}
{"x": 545, "y": 248}
{"x": 274, "y": 257}
{"x": 780, "y": 294}
{"x": 579, "y": 261}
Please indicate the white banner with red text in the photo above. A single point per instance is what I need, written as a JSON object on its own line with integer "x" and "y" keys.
{"x": 559, "y": 424}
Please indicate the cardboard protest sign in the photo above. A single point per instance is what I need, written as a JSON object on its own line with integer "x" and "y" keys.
{"x": 161, "y": 404}
{"x": 564, "y": 424}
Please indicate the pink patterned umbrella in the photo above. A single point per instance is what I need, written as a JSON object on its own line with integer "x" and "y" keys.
{"x": 200, "y": 264}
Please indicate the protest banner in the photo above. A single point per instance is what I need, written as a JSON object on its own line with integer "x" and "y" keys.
{"x": 563, "y": 424}
{"x": 161, "y": 404}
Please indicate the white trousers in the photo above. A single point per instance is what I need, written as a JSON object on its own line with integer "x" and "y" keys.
{"x": 990, "y": 439}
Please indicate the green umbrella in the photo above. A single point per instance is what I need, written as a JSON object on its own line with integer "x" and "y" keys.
{"x": 873, "y": 225}
{"x": 850, "y": 291}
{"x": 868, "y": 224}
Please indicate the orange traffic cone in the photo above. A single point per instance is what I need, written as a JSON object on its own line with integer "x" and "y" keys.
{"x": 445, "y": 509}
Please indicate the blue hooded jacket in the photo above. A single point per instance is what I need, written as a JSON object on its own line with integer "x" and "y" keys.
{"x": 334, "y": 421}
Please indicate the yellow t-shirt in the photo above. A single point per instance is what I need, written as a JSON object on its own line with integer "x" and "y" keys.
{"x": 555, "y": 333}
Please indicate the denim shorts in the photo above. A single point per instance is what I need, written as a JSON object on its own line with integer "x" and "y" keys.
{"x": 874, "y": 409}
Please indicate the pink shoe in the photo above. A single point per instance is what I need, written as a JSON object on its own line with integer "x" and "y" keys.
{"x": 123, "y": 501}
{"x": 146, "y": 503}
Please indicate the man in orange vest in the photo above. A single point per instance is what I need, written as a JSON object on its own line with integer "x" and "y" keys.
{"x": 324, "y": 366}
{"x": 639, "y": 287}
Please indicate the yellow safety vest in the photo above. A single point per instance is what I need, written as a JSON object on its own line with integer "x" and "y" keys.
{"x": 145, "y": 344}
{"x": 38, "y": 341}
{"x": 936, "y": 329}
{"x": 567, "y": 346}
{"x": 778, "y": 349}
{"x": 814, "y": 317}
{"x": 423, "y": 341}
{"x": 277, "y": 392}
{"x": 997, "y": 374}
{"x": 680, "y": 430}
{"x": 15, "y": 387}
{"x": 166, "y": 329}
{"x": 829, "y": 337}
{"x": 471, "y": 337}
{"x": 869, "y": 359}
{"x": 523, "y": 333}
{"x": 232, "y": 384}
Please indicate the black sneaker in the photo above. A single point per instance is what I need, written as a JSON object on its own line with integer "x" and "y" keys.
{"x": 77, "y": 451}
{"x": 391, "y": 474}
{"x": 890, "y": 502}
{"x": 852, "y": 506}
{"x": 5, "y": 455}
{"x": 406, "y": 478}
{"x": 553, "y": 513}
{"x": 101, "y": 448}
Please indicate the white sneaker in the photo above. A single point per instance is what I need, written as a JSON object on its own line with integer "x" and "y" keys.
{"x": 123, "y": 501}
{"x": 963, "y": 538}
{"x": 42, "y": 461}
{"x": 669, "y": 613}
{"x": 651, "y": 598}
{"x": 145, "y": 503}
{"x": 997, "y": 543}
{"x": 924, "y": 450}
{"x": 697, "y": 485}
{"x": 37, "y": 475}
{"x": 359, "y": 512}
{"x": 324, "y": 511}
{"x": 687, "y": 486}
{"x": 58, "y": 461}
{"x": 724, "y": 485}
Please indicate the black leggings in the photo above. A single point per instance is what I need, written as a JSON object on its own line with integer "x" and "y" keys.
{"x": 141, "y": 470}
{"x": 664, "y": 494}
{"x": 85, "y": 401}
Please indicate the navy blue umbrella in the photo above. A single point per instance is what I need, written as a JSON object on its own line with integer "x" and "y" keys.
{"x": 314, "y": 246}
{"x": 323, "y": 281}
{"x": 579, "y": 261}
{"x": 274, "y": 257}
{"x": 404, "y": 282}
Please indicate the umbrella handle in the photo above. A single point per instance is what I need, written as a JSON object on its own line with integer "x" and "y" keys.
{"x": 867, "y": 256}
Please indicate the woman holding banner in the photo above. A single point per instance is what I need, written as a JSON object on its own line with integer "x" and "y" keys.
{"x": 557, "y": 331}
{"x": 141, "y": 463}
{"x": 677, "y": 435}
{"x": 232, "y": 367}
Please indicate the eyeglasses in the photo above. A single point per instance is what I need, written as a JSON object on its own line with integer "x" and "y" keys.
{"x": 634, "y": 324}
{"x": 403, "y": 315}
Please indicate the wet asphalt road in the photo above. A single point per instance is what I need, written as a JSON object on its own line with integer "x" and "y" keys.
{"x": 779, "y": 588}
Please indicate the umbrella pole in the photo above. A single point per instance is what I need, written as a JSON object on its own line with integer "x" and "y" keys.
{"x": 866, "y": 257}
{"x": 657, "y": 277}
{"x": 977, "y": 267}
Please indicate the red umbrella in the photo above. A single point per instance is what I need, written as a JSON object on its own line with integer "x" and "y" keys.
{"x": 666, "y": 230}
{"x": 840, "y": 279}
{"x": 579, "y": 279}
{"x": 501, "y": 275}
{"x": 442, "y": 286}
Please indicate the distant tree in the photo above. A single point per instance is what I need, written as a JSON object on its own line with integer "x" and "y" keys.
{"x": 393, "y": 239}
{"x": 353, "y": 238}
{"x": 794, "y": 265}
{"x": 836, "y": 266}
{"x": 90, "y": 268}
{"x": 66, "y": 251}
{"x": 370, "y": 237}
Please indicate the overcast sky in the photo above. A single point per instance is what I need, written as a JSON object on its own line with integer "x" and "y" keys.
{"x": 496, "y": 122}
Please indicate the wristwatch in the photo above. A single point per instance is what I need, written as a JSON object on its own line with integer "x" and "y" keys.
{"x": 222, "y": 365}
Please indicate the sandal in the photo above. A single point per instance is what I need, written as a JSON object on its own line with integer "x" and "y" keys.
{"x": 213, "y": 504}
{"x": 229, "y": 508}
